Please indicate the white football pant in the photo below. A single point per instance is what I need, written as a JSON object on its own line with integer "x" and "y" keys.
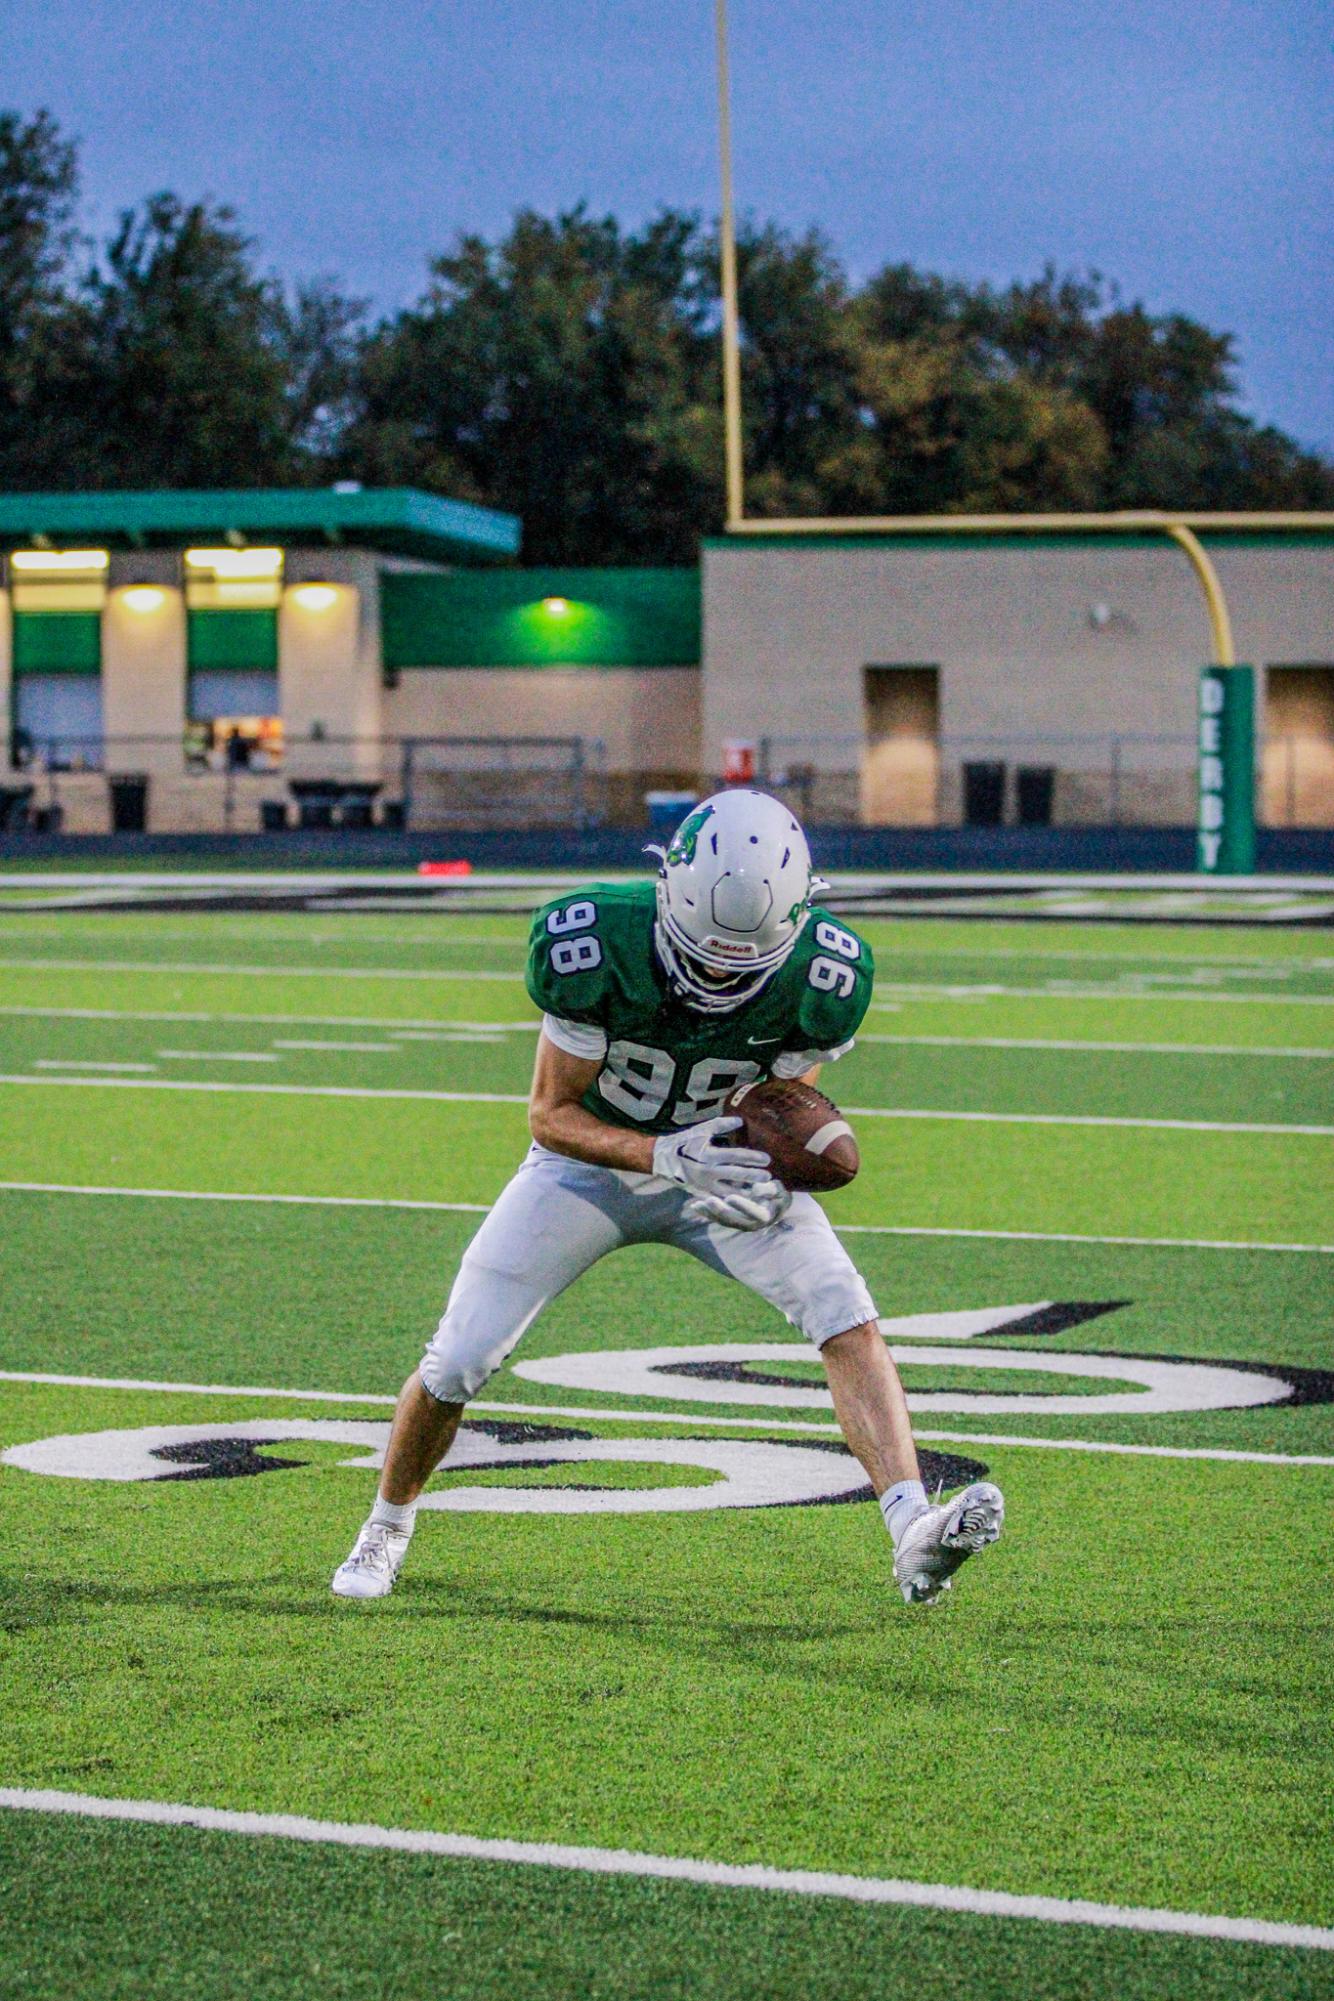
{"x": 559, "y": 1216}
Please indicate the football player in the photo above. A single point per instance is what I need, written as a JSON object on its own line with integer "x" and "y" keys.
{"x": 658, "y": 999}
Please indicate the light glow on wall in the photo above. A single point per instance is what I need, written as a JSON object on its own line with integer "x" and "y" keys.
{"x": 236, "y": 565}
{"x": 59, "y": 562}
{"x": 316, "y": 597}
{"x": 556, "y": 607}
{"x": 143, "y": 598}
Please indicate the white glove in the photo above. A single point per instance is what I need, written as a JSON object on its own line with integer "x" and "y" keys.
{"x": 762, "y": 1204}
{"x": 691, "y": 1158}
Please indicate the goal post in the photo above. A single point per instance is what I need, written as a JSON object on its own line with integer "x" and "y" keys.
{"x": 1226, "y": 826}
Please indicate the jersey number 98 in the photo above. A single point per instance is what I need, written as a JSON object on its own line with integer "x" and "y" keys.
{"x": 834, "y": 975}
{"x": 575, "y": 950}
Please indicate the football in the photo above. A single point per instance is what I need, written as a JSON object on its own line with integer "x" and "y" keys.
{"x": 809, "y": 1142}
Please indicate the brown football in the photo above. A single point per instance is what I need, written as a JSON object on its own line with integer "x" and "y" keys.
{"x": 807, "y": 1138}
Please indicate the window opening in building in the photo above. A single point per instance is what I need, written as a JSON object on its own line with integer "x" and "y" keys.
{"x": 231, "y": 599}
{"x": 56, "y": 699}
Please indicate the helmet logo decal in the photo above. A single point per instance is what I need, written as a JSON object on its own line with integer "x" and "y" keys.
{"x": 686, "y": 838}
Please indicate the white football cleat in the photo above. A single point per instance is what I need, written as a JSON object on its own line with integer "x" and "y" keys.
{"x": 939, "y": 1539}
{"x": 371, "y": 1569}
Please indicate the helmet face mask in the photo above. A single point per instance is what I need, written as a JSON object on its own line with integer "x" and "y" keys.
{"x": 734, "y": 890}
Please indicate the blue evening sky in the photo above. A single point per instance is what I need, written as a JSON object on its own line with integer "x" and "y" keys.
{"x": 1185, "y": 149}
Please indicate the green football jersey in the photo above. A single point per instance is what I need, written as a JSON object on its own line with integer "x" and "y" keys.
{"x": 591, "y": 959}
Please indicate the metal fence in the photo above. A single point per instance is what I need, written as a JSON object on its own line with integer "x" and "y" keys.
{"x": 169, "y": 785}
{"x": 1126, "y": 779}
{"x": 166, "y": 784}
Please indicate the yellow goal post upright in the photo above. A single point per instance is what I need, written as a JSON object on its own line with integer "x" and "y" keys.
{"x": 1226, "y": 715}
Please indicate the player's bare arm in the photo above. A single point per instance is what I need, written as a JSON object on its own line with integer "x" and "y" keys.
{"x": 558, "y": 1120}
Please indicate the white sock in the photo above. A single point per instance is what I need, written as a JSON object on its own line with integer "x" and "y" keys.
{"x": 900, "y": 1504}
{"x": 394, "y": 1514}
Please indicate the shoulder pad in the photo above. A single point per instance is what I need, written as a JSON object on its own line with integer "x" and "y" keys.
{"x": 567, "y": 972}
{"x": 837, "y": 982}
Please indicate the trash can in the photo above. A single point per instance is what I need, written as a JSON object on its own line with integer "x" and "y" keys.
{"x": 666, "y": 810}
{"x": 984, "y": 793}
{"x": 129, "y": 802}
{"x": 1035, "y": 785}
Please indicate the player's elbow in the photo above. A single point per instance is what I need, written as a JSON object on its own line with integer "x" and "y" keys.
{"x": 542, "y": 1121}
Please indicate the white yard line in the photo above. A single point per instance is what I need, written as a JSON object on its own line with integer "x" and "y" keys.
{"x": 445, "y": 1031}
{"x": 626, "y": 1862}
{"x": 202, "y": 1195}
{"x": 406, "y": 1027}
{"x": 366, "y": 1048}
{"x": 279, "y": 1090}
{"x": 908, "y": 989}
{"x": 247, "y": 972}
{"x": 1039, "y": 1119}
{"x": 1070, "y": 1237}
{"x": 1081, "y": 1047}
{"x": 393, "y": 1092}
{"x": 482, "y": 1208}
{"x": 214, "y": 1056}
{"x": 915, "y": 990}
{"x": 69, "y": 1063}
{"x": 613, "y": 1413}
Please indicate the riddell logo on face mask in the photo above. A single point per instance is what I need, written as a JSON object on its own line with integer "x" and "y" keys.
{"x": 728, "y": 948}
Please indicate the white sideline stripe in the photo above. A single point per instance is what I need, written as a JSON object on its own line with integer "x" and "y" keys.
{"x": 521, "y": 1098}
{"x": 250, "y": 972}
{"x": 482, "y": 1208}
{"x": 679, "y": 1868}
{"x": 1078, "y": 1047}
{"x": 631, "y": 1414}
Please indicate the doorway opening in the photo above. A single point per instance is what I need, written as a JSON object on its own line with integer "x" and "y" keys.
{"x": 1297, "y": 766}
{"x": 901, "y": 763}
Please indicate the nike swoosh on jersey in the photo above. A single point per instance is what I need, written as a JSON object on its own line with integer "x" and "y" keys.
{"x": 756, "y": 1040}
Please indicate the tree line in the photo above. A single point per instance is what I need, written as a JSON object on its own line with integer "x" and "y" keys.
{"x": 569, "y": 373}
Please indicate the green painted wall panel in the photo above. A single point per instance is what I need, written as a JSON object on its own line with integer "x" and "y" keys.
{"x": 245, "y": 641}
{"x": 615, "y": 618}
{"x": 57, "y": 642}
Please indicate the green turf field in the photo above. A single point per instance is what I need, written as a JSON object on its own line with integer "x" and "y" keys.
{"x": 1111, "y": 1145}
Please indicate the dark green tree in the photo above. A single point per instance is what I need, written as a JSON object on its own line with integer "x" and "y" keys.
{"x": 561, "y": 374}
{"x": 39, "y": 186}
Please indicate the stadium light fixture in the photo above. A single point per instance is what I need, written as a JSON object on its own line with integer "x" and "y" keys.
{"x": 556, "y": 607}
{"x": 143, "y": 598}
{"x": 59, "y": 562}
{"x": 236, "y": 565}
{"x": 316, "y": 597}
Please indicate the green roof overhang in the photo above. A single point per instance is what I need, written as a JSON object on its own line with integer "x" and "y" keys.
{"x": 395, "y": 520}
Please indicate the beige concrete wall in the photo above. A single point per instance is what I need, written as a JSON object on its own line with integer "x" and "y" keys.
{"x": 329, "y": 676}
{"x": 144, "y": 665}
{"x": 1030, "y": 641}
{"x": 647, "y": 717}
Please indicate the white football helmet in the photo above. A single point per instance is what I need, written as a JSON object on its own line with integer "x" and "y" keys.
{"x": 734, "y": 893}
